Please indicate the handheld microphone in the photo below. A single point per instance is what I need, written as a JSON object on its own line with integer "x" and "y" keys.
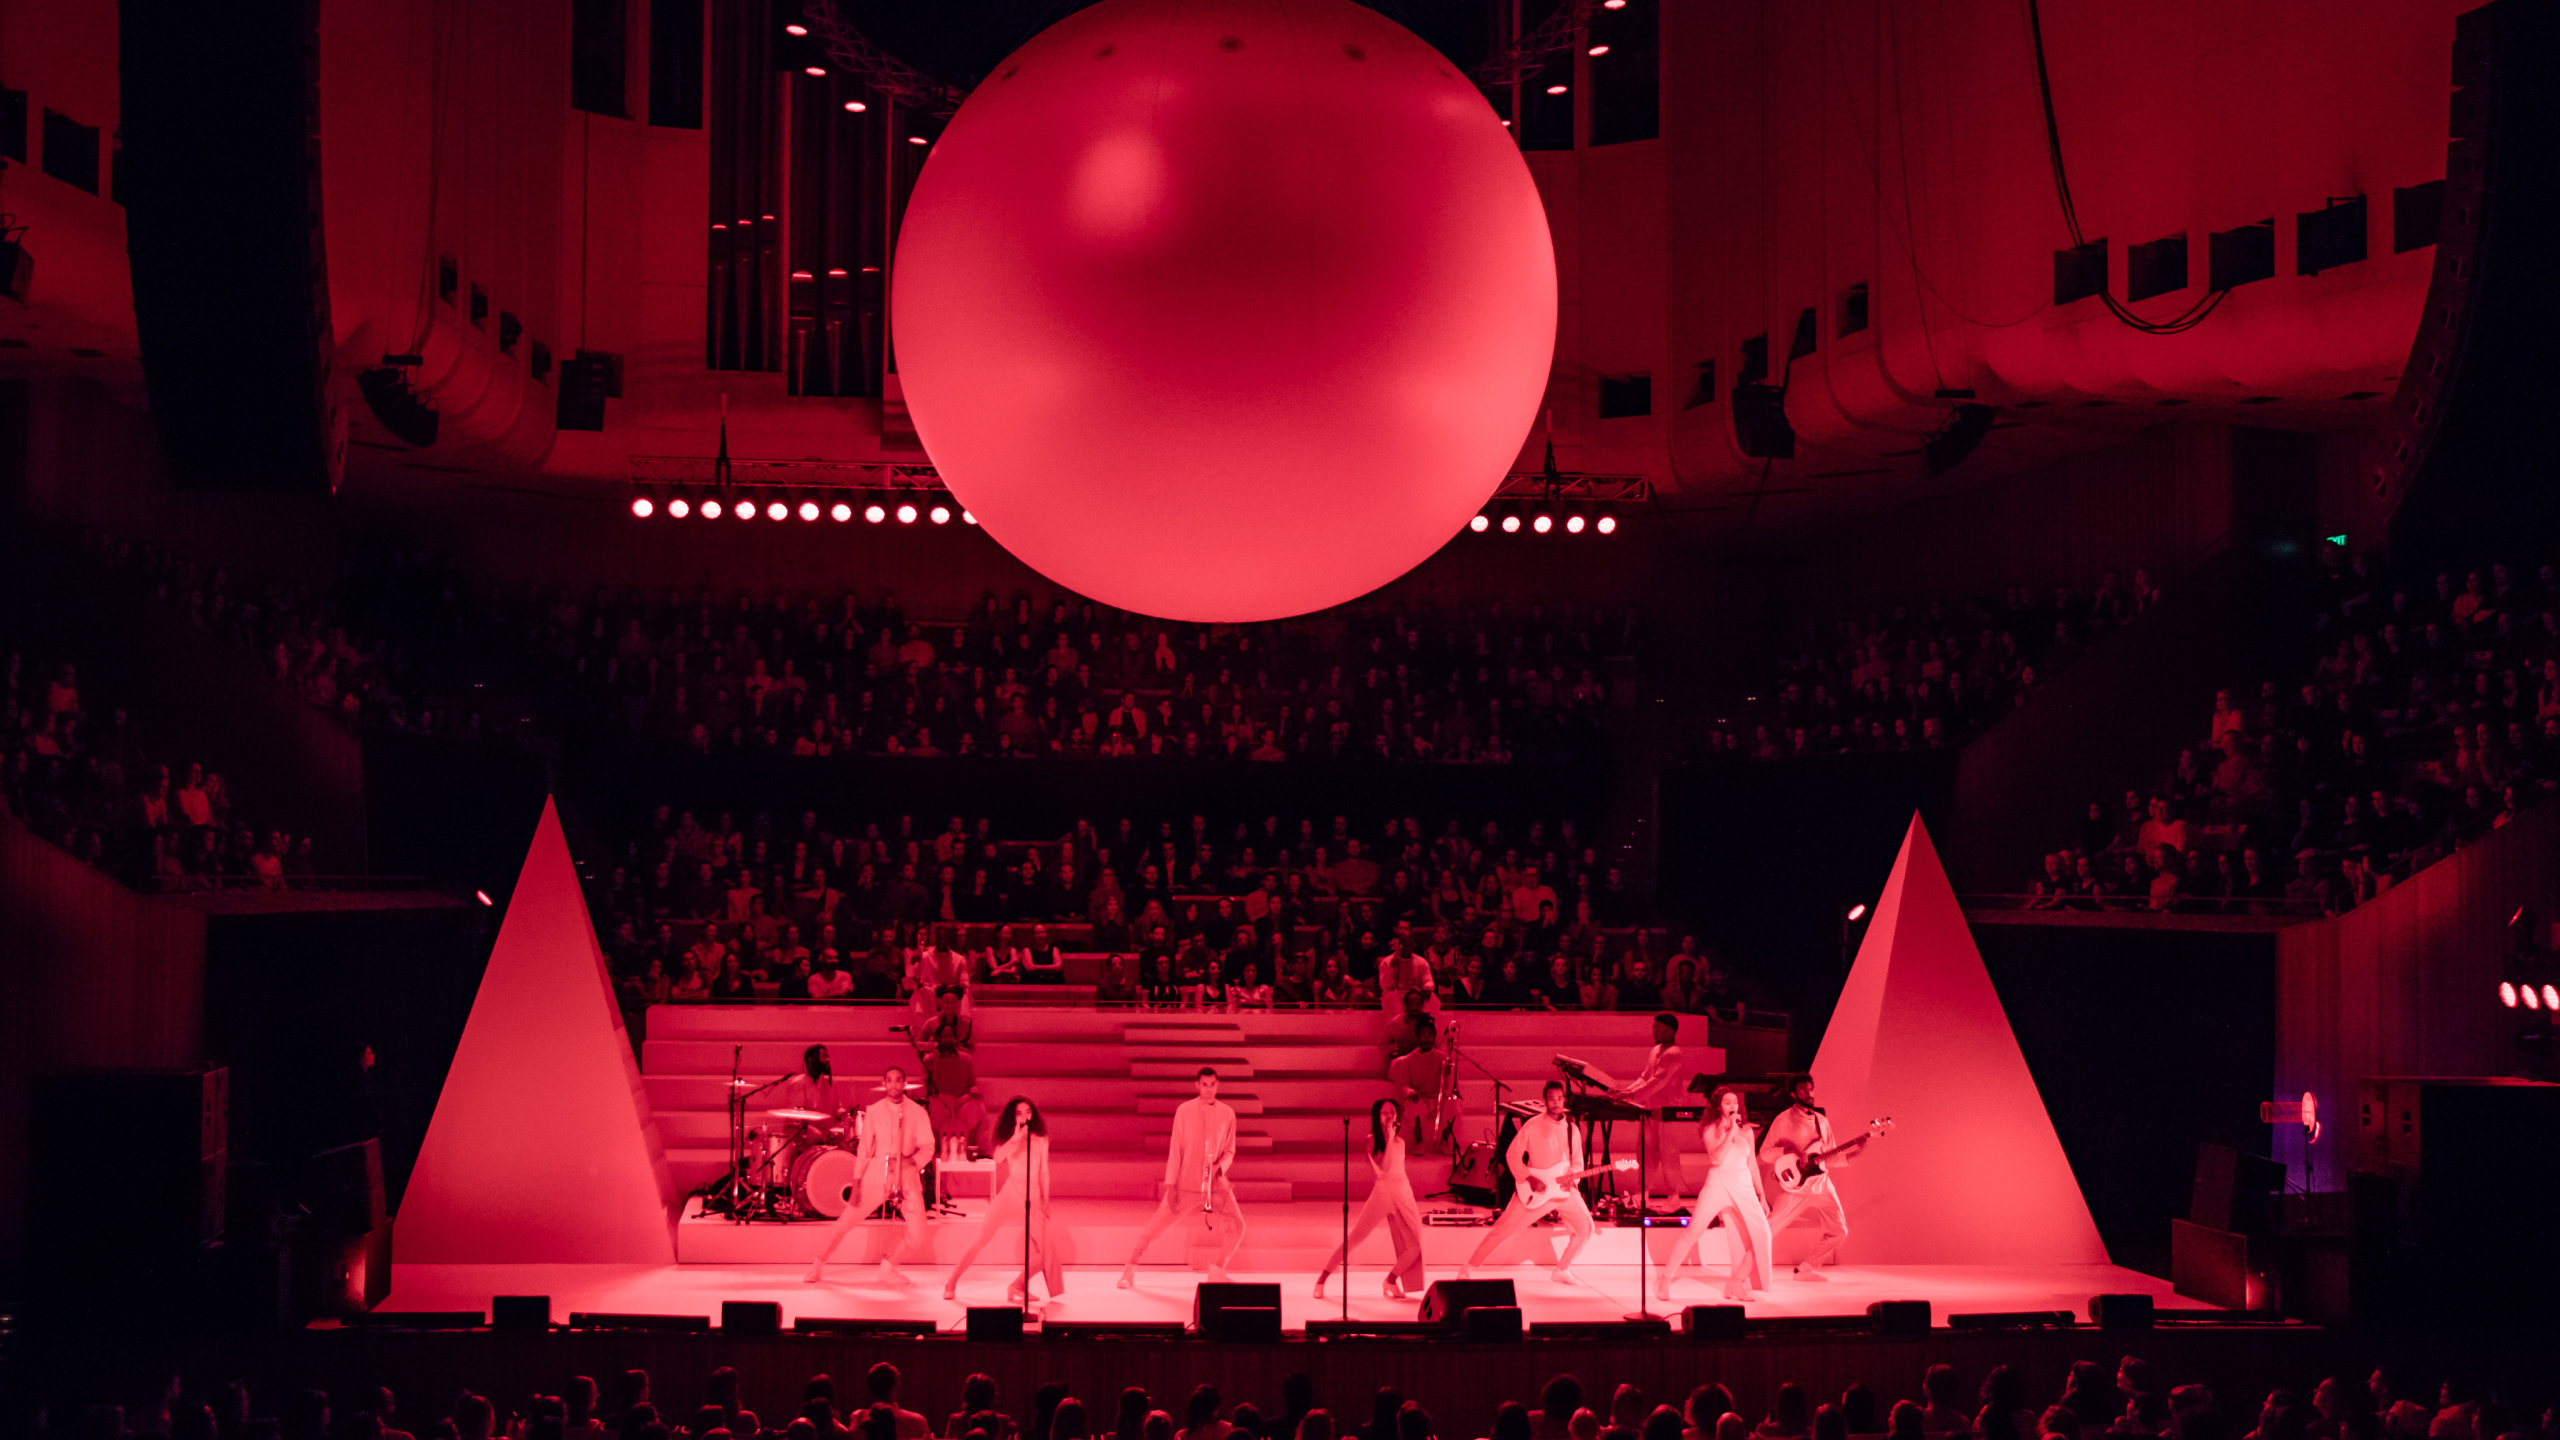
{"x": 897, "y": 1029}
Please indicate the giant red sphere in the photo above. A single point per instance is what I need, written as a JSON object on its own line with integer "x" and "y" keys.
{"x": 1224, "y": 309}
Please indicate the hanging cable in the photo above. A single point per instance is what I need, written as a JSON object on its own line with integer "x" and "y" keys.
{"x": 2195, "y": 314}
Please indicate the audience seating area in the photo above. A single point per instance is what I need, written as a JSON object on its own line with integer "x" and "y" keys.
{"x": 2425, "y": 713}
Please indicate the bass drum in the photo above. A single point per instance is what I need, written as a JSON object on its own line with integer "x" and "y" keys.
{"x": 824, "y": 1181}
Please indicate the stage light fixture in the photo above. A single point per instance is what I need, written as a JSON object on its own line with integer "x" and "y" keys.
{"x": 679, "y": 507}
{"x": 2551, "y": 997}
{"x": 1606, "y": 525}
{"x": 711, "y": 509}
{"x": 2507, "y": 994}
{"x": 939, "y": 514}
{"x": 1857, "y": 913}
{"x": 777, "y": 510}
{"x": 743, "y": 509}
{"x": 1543, "y": 524}
{"x": 814, "y": 71}
{"x": 642, "y": 507}
{"x": 874, "y": 514}
{"x": 2531, "y": 997}
{"x": 808, "y": 509}
{"x": 856, "y": 106}
{"x": 1480, "y": 524}
{"x": 840, "y": 512}
{"x": 1555, "y": 89}
{"x": 483, "y": 897}
{"x": 906, "y": 514}
{"x": 1510, "y": 524}
{"x": 1596, "y": 51}
{"x": 795, "y": 30}
{"x": 1573, "y": 524}
{"x": 1613, "y": 4}
{"x": 916, "y": 140}
{"x": 968, "y": 519}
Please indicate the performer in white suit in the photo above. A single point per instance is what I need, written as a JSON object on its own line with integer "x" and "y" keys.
{"x": 1195, "y": 1177}
{"x": 1022, "y": 1159}
{"x": 897, "y": 1143}
{"x": 1732, "y": 1190}
{"x": 1390, "y": 1203}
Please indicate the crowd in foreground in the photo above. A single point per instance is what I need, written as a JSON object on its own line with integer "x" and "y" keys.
{"x": 2094, "y": 1403}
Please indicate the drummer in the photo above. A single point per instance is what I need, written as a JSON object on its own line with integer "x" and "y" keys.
{"x": 814, "y": 1088}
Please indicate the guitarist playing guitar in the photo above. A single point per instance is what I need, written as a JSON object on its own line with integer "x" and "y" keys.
{"x": 1800, "y": 1134}
{"x": 1546, "y": 1158}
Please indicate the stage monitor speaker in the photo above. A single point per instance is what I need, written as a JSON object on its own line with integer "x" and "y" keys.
{"x": 995, "y": 1324}
{"x": 1211, "y": 1302}
{"x": 2013, "y": 1320}
{"x": 750, "y": 1317}
{"x": 1898, "y": 1317}
{"x": 614, "y": 1320}
{"x": 1713, "y": 1322}
{"x": 2120, "y": 1312}
{"x": 1601, "y": 1332}
{"x": 1491, "y": 1324}
{"x": 419, "y": 1320}
{"x": 1447, "y": 1300}
{"x": 1243, "y": 1325}
{"x": 868, "y": 1329}
{"x": 1760, "y": 425}
{"x": 520, "y": 1312}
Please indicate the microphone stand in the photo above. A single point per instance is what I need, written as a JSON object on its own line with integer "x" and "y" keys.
{"x": 1346, "y": 1217}
{"x": 1456, "y": 1058}
{"x": 1027, "y": 1181}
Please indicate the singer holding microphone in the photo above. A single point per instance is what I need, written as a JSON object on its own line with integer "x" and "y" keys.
{"x": 1195, "y": 1182}
{"x": 897, "y": 1143}
{"x": 1732, "y": 1190}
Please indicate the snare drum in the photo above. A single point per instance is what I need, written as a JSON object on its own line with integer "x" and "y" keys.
{"x": 825, "y": 1181}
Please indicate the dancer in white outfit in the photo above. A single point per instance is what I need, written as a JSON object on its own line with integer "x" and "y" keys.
{"x": 1390, "y": 1203}
{"x": 1732, "y": 1190}
{"x": 1022, "y": 1130}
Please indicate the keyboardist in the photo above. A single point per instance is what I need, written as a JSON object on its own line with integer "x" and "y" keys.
{"x": 1661, "y": 1082}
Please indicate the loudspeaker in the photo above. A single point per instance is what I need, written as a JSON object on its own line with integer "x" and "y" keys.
{"x": 1713, "y": 1322}
{"x": 2219, "y": 1268}
{"x": 1898, "y": 1317}
{"x": 586, "y": 382}
{"x": 2235, "y": 1191}
{"x": 750, "y": 1317}
{"x": 1490, "y": 1324}
{"x": 520, "y": 1312}
{"x": 342, "y": 1188}
{"x": 2120, "y": 1312}
{"x": 1214, "y": 1298}
{"x": 340, "y": 1275}
{"x": 1243, "y": 1325}
{"x": 401, "y": 410}
{"x": 1472, "y": 1177}
{"x": 17, "y": 271}
{"x": 613, "y": 1320}
{"x": 1760, "y": 426}
{"x": 1964, "y": 428}
{"x": 161, "y": 1137}
{"x": 1447, "y": 1300}
{"x": 993, "y": 1324}
{"x": 2013, "y": 1320}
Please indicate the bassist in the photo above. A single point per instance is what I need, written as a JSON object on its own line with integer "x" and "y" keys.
{"x": 1802, "y": 1131}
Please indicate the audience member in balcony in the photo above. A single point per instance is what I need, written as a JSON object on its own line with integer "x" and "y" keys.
{"x": 732, "y": 982}
{"x": 1250, "y": 993}
{"x": 690, "y": 986}
{"x": 1165, "y": 990}
{"x": 1596, "y": 992}
{"x": 1403, "y": 975}
{"x": 1118, "y": 984}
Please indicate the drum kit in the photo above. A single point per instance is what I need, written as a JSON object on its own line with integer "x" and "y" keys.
{"x": 793, "y": 1163}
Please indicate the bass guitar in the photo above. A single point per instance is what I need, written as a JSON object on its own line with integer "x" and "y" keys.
{"x": 1542, "y": 1187}
{"x": 1795, "y": 1170}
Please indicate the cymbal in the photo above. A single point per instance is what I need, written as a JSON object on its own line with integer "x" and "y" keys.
{"x": 797, "y": 1115}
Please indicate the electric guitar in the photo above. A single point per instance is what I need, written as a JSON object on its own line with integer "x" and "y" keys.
{"x": 1796, "y": 1170}
{"x": 1543, "y": 1186}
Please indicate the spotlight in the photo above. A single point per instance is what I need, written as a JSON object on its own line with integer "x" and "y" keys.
{"x": 1479, "y": 524}
{"x": 483, "y": 897}
{"x": 1573, "y": 524}
{"x": 1510, "y": 524}
{"x": 743, "y": 509}
{"x": 815, "y": 71}
{"x": 679, "y": 507}
{"x": 1613, "y": 4}
{"x": 1596, "y": 51}
{"x": 856, "y": 106}
{"x": 874, "y": 514}
{"x": 808, "y": 509}
{"x": 2551, "y": 997}
{"x": 711, "y": 509}
{"x": 906, "y": 514}
{"x": 2507, "y": 994}
{"x": 795, "y": 30}
{"x": 840, "y": 512}
{"x": 939, "y": 514}
{"x": 2531, "y": 997}
{"x": 1857, "y": 912}
{"x": 1555, "y": 89}
{"x": 1606, "y": 525}
{"x": 968, "y": 519}
{"x": 642, "y": 507}
{"x": 777, "y": 510}
{"x": 918, "y": 140}
{"x": 1543, "y": 524}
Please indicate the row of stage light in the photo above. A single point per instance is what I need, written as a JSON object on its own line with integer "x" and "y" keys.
{"x": 1543, "y": 523}
{"x": 2532, "y": 997}
{"x": 904, "y": 507}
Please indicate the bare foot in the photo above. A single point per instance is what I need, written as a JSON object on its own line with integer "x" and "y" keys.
{"x": 817, "y": 1272}
{"x": 1128, "y": 1279}
{"x": 1565, "y": 1276}
{"x": 1320, "y": 1286}
{"x": 1218, "y": 1275}
{"x": 950, "y": 1287}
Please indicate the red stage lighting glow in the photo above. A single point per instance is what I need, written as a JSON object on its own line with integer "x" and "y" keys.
{"x": 777, "y": 510}
{"x": 1480, "y": 524}
{"x": 1608, "y": 525}
{"x": 743, "y": 509}
{"x": 906, "y": 514}
{"x": 1597, "y": 51}
{"x": 856, "y": 106}
{"x": 795, "y": 29}
{"x": 819, "y": 71}
{"x": 710, "y": 509}
{"x": 1510, "y": 524}
{"x": 917, "y": 140}
{"x": 2551, "y": 997}
{"x": 1857, "y": 912}
{"x": 1613, "y": 4}
{"x": 679, "y": 507}
{"x": 840, "y": 512}
{"x": 968, "y": 519}
{"x": 808, "y": 509}
{"x": 642, "y": 507}
{"x": 874, "y": 514}
{"x": 1555, "y": 89}
{"x": 1224, "y": 331}
{"x": 1573, "y": 524}
{"x": 2507, "y": 994}
{"x": 1543, "y": 524}
{"x": 2531, "y": 997}
{"x": 939, "y": 514}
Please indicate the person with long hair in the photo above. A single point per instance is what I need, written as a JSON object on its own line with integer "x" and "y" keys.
{"x": 1731, "y": 1190}
{"x": 1021, "y": 1158}
{"x": 1390, "y": 1203}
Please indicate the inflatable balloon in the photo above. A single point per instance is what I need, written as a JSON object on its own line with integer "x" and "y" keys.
{"x": 1224, "y": 310}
